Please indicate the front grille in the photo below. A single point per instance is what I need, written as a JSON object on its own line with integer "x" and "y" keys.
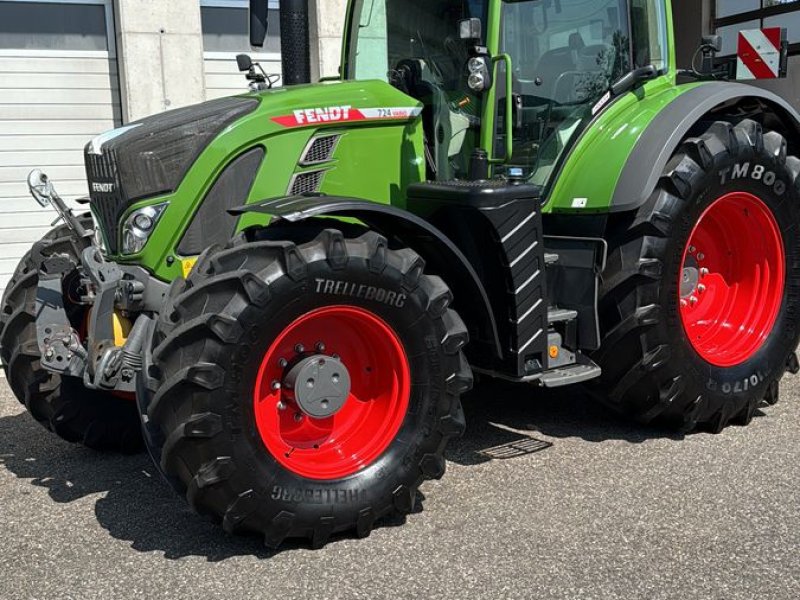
{"x": 107, "y": 199}
{"x": 306, "y": 183}
{"x": 320, "y": 150}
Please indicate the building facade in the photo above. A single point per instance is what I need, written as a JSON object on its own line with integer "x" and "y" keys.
{"x": 696, "y": 18}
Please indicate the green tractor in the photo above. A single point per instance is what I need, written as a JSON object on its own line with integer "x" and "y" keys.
{"x": 274, "y": 292}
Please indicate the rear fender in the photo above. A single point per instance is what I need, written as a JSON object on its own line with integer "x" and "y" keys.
{"x": 676, "y": 122}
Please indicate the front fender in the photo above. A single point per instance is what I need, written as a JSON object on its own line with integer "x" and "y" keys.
{"x": 442, "y": 256}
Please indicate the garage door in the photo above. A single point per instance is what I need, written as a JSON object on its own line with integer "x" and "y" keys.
{"x": 225, "y": 34}
{"x": 58, "y": 89}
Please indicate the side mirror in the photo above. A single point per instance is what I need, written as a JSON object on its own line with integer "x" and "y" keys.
{"x": 259, "y": 21}
{"x": 244, "y": 62}
{"x": 712, "y": 42}
{"x": 470, "y": 29}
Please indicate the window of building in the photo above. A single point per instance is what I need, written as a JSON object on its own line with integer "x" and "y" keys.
{"x": 732, "y": 16}
{"x": 226, "y": 26}
{"x": 54, "y": 26}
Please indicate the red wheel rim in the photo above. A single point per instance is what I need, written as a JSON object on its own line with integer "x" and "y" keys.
{"x": 354, "y": 437}
{"x": 732, "y": 281}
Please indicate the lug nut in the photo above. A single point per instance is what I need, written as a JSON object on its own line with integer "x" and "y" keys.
{"x": 299, "y": 348}
{"x": 281, "y": 406}
{"x": 320, "y": 347}
{"x": 692, "y": 249}
{"x": 276, "y": 385}
{"x": 684, "y": 303}
{"x": 704, "y": 272}
{"x": 283, "y": 363}
{"x": 701, "y": 288}
{"x": 693, "y": 300}
{"x": 298, "y": 417}
{"x": 701, "y": 256}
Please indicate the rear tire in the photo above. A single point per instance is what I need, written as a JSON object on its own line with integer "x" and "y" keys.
{"x": 206, "y": 411}
{"x": 98, "y": 420}
{"x": 653, "y": 370}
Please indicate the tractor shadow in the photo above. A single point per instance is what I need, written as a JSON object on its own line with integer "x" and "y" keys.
{"x": 503, "y": 415}
{"x": 136, "y": 506}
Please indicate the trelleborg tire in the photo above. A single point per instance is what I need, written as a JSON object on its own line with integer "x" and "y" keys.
{"x": 230, "y": 435}
{"x": 98, "y": 420}
{"x": 699, "y": 301}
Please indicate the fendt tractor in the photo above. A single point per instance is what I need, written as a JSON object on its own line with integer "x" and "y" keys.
{"x": 274, "y": 292}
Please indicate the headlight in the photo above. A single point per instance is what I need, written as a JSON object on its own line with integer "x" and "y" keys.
{"x": 479, "y": 79}
{"x": 138, "y": 227}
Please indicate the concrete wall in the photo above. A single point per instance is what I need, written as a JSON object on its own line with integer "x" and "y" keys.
{"x": 160, "y": 48}
{"x": 327, "y": 24}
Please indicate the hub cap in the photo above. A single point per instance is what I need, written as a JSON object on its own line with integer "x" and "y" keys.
{"x": 732, "y": 281}
{"x": 332, "y": 392}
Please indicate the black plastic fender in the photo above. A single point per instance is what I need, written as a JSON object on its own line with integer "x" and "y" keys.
{"x": 673, "y": 124}
{"x": 442, "y": 256}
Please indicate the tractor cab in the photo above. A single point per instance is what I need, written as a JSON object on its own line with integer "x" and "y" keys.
{"x": 520, "y": 79}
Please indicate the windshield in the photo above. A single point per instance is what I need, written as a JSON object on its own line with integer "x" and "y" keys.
{"x": 566, "y": 54}
{"x": 390, "y": 31}
{"x": 416, "y": 47}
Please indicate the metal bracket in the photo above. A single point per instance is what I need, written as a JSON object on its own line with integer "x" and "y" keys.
{"x": 59, "y": 344}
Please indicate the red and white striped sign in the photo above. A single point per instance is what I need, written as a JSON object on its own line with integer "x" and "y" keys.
{"x": 759, "y": 54}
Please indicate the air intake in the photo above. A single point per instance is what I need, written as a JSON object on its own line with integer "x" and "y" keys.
{"x": 320, "y": 150}
{"x": 306, "y": 183}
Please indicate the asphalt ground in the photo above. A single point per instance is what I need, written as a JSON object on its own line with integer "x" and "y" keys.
{"x": 603, "y": 509}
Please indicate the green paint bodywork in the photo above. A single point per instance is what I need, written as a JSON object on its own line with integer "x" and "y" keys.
{"x": 373, "y": 160}
{"x": 378, "y": 161}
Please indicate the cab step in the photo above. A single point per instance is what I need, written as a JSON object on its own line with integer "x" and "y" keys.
{"x": 571, "y": 374}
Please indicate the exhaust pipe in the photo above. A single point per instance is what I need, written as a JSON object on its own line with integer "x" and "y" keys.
{"x": 295, "y": 42}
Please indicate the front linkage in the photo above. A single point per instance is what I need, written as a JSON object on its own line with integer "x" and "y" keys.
{"x": 105, "y": 288}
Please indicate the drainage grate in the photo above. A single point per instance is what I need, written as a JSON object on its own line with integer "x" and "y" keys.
{"x": 305, "y": 183}
{"x": 320, "y": 150}
{"x": 515, "y": 449}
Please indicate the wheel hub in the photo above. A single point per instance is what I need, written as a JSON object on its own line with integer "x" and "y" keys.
{"x": 319, "y": 384}
{"x": 332, "y": 392}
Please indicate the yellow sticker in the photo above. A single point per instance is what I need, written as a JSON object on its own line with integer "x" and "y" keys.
{"x": 188, "y": 264}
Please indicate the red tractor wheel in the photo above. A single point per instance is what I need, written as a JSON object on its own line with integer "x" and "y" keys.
{"x": 300, "y": 390}
{"x": 699, "y": 306}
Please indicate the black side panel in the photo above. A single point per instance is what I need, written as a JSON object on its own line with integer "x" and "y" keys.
{"x": 212, "y": 224}
{"x": 498, "y": 227}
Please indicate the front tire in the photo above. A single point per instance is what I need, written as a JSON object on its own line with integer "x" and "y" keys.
{"x": 699, "y": 302}
{"x": 244, "y": 450}
{"x": 98, "y": 420}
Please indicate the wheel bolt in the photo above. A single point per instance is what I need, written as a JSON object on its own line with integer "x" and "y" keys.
{"x": 298, "y": 417}
{"x": 276, "y": 385}
{"x": 283, "y": 363}
{"x": 704, "y": 272}
{"x": 701, "y": 256}
{"x": 693, "y": 300}
{"x": 281, "y": 406}
{"x": 684, "y": 303}
{"x": 299, "y": 348}
{"x": 701, "y": 288}
{"x": 320, "y": 347}
{"x": 692, "y": 249}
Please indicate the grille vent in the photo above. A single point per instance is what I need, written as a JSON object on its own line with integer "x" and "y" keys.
{"x": 305, "y": 183}
{"x": 320, "y": 150}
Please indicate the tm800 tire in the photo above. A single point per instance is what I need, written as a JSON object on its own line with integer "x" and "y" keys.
{"x": 98, "y": 420}
{"x": 206, "y": 410}
{"x": 735, "y": 189}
